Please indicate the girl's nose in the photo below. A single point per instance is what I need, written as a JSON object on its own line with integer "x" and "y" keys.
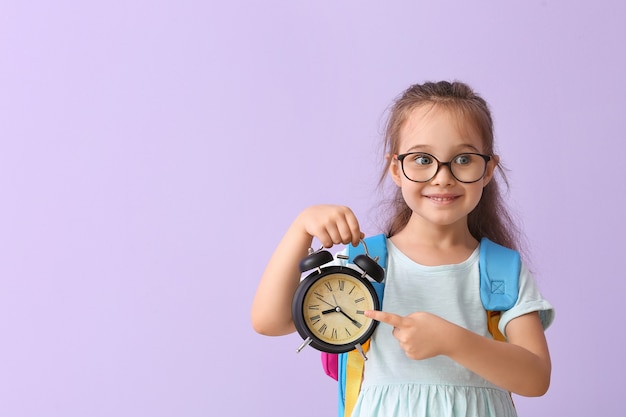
{"x": 443, "y": 176}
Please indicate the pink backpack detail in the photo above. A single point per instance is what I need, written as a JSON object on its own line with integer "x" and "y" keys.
{"x": 330, "y": 363}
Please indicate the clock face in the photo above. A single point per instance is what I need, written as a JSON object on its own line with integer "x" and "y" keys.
{"x": 330, "y": 307}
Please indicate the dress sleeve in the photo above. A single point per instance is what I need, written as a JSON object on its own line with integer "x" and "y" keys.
{"x": 528, "y": 301}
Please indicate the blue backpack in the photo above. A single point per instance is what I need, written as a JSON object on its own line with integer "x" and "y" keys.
{"x": 499, "y": 286}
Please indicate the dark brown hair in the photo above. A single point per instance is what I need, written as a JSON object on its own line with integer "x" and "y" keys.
{"x": 491, "y": 217}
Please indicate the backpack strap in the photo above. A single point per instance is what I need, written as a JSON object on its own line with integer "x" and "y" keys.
{"x": 499, "y": 276}
{"x": 499, "y": 282}
{"x": 351, "y": 364}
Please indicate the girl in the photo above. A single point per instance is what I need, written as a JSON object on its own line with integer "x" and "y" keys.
{"x": 432, "y": 354}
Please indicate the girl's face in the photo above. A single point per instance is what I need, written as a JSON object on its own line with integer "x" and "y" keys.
{"x": 442, "y": 201}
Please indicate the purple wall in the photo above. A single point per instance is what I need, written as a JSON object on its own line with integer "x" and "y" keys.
{"x": 153, "y": 152}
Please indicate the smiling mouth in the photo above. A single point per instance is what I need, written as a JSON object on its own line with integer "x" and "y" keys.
{"x": 441, "y": 199}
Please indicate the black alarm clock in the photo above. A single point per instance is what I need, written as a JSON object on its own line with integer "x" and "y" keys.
{"x": 329, "y": 304}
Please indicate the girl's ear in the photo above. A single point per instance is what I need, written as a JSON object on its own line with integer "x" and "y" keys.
{"x": 394, "y": 169}
{"x": 491, "y": 168}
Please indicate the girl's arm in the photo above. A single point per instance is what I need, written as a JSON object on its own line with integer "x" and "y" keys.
{"x": 521, "y": 366}
{"x": 271, "y": 308}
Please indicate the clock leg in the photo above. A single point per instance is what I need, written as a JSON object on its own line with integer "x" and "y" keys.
{"x": 360, "y": 349}
{"x": 306, "y": 343}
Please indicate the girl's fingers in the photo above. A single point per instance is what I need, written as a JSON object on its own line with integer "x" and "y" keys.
{"x": 391, "y": 319}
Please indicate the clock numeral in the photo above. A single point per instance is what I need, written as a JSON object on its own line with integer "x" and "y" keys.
{"x": 323, "y": 329}
{"x": 342, "y": 284}
{"x": 315, "y": 319}
{"x": 348, "y": 332}
{"x": 334, "y": 334}
{"x": 357, "y": 324}
{"x": 330, "y": 288}
{"x": 314, "y": 306}
{"x": 361, "y": 312}
{"x": 352, "y": 289}
{"x": 358, "y": 300}
{"x": 318, "y": 295}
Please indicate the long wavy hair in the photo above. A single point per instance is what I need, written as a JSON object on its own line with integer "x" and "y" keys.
{"x": 490, "y": 218}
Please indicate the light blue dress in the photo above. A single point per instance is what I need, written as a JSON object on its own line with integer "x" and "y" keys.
{"x": 396, "y": 386}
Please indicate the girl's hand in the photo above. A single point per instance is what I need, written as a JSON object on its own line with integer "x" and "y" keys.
{"x": 521, "y": 366}
{"x": 331, "y": 225}
{"x": 421, "y": 335}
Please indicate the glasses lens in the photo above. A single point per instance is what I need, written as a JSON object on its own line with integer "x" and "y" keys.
{"x": 419, "y": 167}
{"x": 468, "y": 167}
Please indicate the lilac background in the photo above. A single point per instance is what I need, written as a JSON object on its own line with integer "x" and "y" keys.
{"x": 153, "y": 152}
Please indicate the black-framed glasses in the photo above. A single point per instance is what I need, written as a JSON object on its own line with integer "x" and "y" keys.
{"x": 464, "y": 167}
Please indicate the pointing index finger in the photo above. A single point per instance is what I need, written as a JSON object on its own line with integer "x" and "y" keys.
{"x": 385, "y": 317}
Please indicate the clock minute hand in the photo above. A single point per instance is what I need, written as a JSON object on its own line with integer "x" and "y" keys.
{"x": 340, "y": 310}
{"x": 356, "y": 323}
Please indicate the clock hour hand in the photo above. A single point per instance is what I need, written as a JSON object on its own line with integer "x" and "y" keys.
{"x": 337, "y": 309}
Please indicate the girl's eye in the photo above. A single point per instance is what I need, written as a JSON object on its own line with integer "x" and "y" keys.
{"x": 462, "y": 159}
{"x": 422, "y": 159}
